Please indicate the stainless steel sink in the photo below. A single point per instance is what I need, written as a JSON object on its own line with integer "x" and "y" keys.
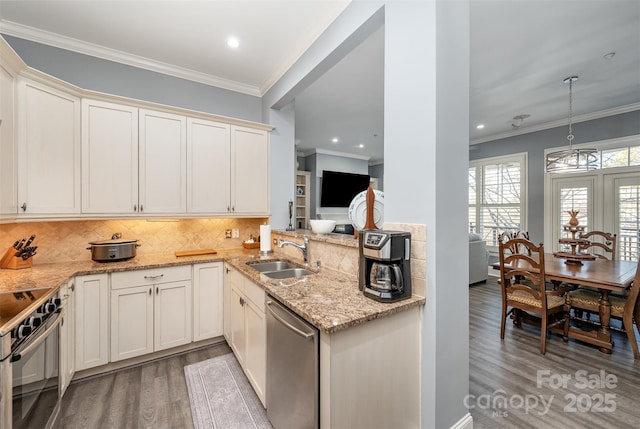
{"x": 271, "y": 266}
{"x": 288, "y": 273}
{"x": 279, "y": 269}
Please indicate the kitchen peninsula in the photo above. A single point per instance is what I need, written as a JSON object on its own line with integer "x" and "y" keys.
{"x": 355, "y": 332}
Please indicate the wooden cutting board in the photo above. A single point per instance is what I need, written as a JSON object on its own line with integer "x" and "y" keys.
{"x": 195, "y": 252}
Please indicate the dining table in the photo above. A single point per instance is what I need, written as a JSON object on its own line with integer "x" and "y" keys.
{"x": 605, "y": 275}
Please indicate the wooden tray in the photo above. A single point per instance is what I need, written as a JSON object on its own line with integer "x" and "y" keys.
{"x": 255, "y": 245}
{"x": 195, "y": 252}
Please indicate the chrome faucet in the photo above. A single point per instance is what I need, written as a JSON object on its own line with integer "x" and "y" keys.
{"x": 304, "y": 247}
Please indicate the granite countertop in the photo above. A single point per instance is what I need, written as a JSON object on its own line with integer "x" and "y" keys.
{"x": 328, "y": 299}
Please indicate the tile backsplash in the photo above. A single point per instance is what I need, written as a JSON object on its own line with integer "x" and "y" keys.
{"x": 345, "y": 257}
{"x": 67, "y": 240}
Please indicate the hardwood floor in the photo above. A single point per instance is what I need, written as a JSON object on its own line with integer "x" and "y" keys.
{"x": 151, "y": 395}
{"x": 154, "y": 395}
{"x": 510, "y": 370}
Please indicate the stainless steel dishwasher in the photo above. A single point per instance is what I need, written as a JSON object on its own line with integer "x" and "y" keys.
{"x": 292, "y": 369}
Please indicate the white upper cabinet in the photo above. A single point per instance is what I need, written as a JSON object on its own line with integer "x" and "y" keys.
{"x": 49, "y": 150}
{"x": 208, "y": 187}
{"x": 162, "y": 151}
{"x": 109, "y": 158}
{"x": 249, "y": 170}
{"x": 8, "y": 146}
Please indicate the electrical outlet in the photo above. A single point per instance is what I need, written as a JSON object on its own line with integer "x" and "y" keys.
{"x": 235, "y": 233}
{"x": 227, "y": 233}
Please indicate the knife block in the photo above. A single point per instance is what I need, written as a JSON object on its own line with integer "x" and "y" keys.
{"x": 11, "y": 262}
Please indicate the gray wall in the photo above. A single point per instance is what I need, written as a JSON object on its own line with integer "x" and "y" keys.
{"x": 534, "y": 144}
{"x": 318, "y": 162}
{"x": 377, "y": 171}
{"x": 110, "y": 77}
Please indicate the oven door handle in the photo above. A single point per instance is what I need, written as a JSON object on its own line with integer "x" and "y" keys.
{"x": 26, "y": 348}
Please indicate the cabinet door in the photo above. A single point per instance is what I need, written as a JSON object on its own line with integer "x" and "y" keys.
{"x": 109, "y": 158}
{"x": 91, "y": 321}
{"x": 8, "y": 146}
{"x": 172, "y": 315}
{"x": 162, "y": 146}
{"x": 256, "y": 352}
{"x": 207, "y": 166}
{"x": 67, "y": 336}
{"x": 131, "y": 322}
{"x": 249, "y": 170}
{"x": 238, "y": 338}
{"x": 226, "y": 312}
{"x": 49, "y": 150}
{"x": 207, "y": 300}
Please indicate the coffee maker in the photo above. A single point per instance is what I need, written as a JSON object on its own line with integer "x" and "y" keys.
{"x": 385, "y": 265}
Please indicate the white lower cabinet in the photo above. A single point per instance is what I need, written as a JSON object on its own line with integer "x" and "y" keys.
{"x": 207, "y": 300}
{"x": 67, "y": 336}
{"x": 150, "y": 311}
{"x": 91, "y": 321}
{"x": 246, "y": 331}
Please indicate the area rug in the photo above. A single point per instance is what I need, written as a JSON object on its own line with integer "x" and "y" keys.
{"x": 221, "y": 396}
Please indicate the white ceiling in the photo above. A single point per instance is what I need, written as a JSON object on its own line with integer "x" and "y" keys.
{"x": 520, "y": 53}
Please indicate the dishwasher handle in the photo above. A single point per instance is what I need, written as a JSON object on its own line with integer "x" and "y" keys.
{"x": 305, "y": 335}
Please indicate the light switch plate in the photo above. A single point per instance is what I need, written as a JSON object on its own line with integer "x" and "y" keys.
{"x": 235, "y": 233}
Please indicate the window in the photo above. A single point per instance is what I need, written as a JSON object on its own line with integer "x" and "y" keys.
{"x": 497, "y": 196}
{"x": 571, "y": 194}
{"x": 608, "y": 199}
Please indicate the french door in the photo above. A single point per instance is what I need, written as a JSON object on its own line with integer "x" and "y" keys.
{"x": 622, "y": 212}
{"x": 606, "y": 202}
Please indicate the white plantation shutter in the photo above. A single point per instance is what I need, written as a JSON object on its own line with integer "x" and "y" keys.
{"x": 497, "y": 200}
{"x": 628, "y": 218}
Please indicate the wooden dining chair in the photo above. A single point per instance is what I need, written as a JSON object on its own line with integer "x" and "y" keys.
{"x": 600, "y": 240}
{"x": 522, "y": 282}
{"x": 506, "y": 236}
{"x": 604, "y": 244}
{"x": 625, "y": 308}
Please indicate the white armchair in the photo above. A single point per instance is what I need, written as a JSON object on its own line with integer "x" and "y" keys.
{"x": 478, "y": 259}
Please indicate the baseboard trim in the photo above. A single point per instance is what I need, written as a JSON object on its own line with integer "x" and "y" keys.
{"x": 464, "y": 423}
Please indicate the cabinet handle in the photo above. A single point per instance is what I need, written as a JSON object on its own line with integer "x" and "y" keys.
{"x": 159, "y": 276}
{"x": 135, "y": 207}
{"x": 24, "y": 207}
{"x": 73, "y": 287}
{"x": 233, "y": 208}
{"x": 157, "y": 290}
{"x": 242, "y": 301}
{"x": 141, "y": 208}
{"x": 228, "y": 208}
{"x": 150, "y": 290}
{"x": 228, "y": 270}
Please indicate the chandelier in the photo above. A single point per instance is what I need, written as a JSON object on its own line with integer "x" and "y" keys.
{"x": 564, "y": 161}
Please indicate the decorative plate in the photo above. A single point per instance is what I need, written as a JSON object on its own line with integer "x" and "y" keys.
{"x": 358, "y": 209}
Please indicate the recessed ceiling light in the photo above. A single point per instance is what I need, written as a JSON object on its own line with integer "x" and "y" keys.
{"x": 480, "y": 126}
{"x": 609, "y": 55}
{"x": 360, "y": 145}
{"x": 233, "y": 42}
{"x": 335, "y": 140}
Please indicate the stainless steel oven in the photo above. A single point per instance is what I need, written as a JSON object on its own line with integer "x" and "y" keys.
{"x": 29, "y": 353}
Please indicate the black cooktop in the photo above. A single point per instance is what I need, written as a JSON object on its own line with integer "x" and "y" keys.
{"x": 18, "y": 305}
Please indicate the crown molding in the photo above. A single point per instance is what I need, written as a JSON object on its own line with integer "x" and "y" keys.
{"x": 559, "y": 123}
{"x": 86, "y": 48}
{"x": 335, "y": 153}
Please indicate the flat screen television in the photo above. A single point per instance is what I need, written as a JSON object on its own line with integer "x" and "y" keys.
{"x": 338, "y": 189}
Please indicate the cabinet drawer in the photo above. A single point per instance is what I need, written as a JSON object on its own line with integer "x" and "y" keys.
{"x": 255, "y": 294}
{"x": 127, "y": 279}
